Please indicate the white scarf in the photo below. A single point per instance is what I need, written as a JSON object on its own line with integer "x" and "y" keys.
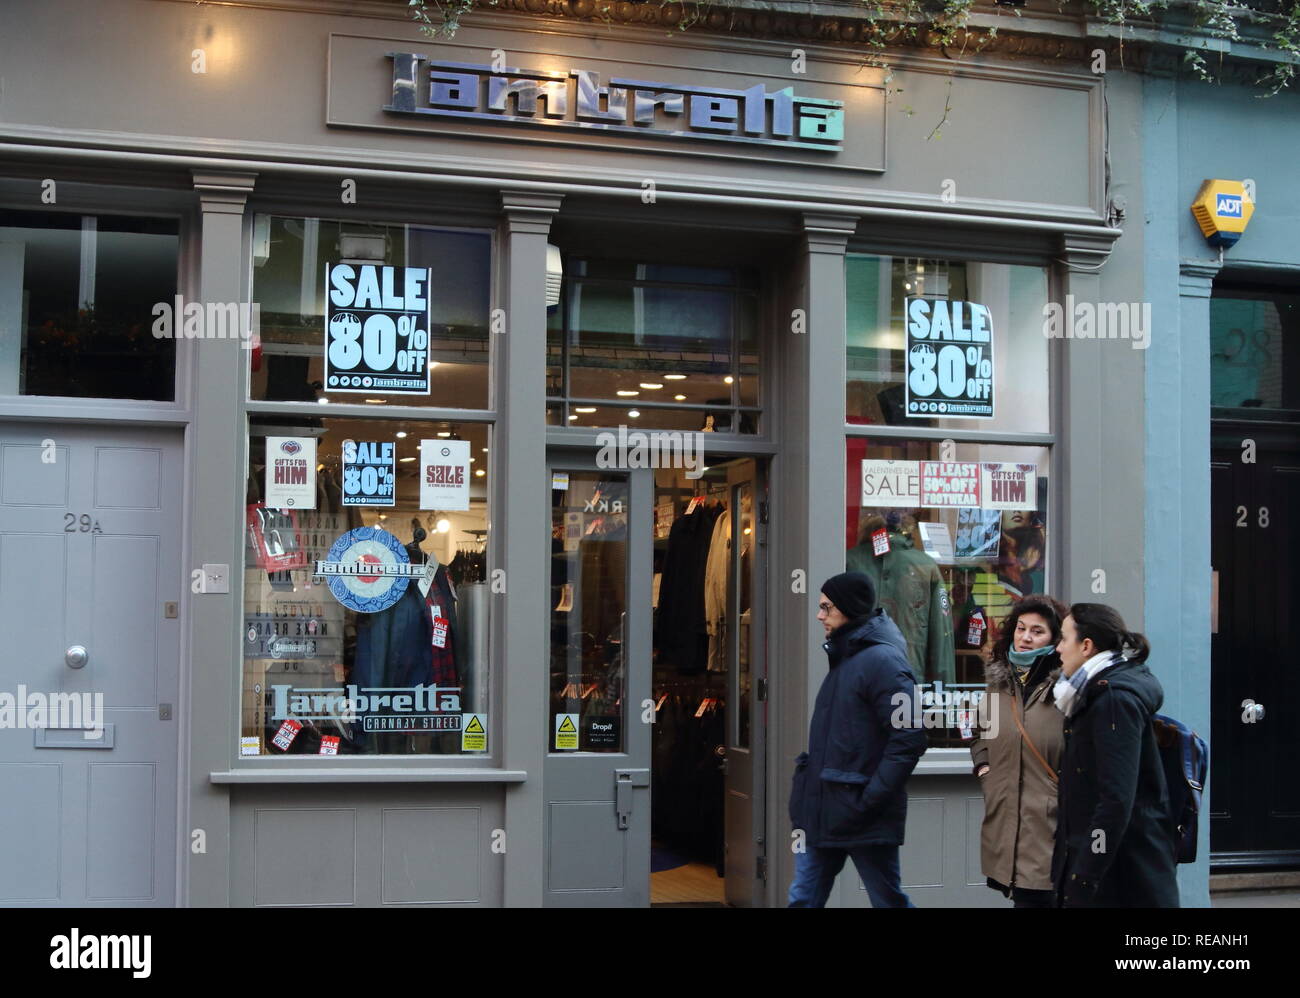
{"x": 1067, "y": 689}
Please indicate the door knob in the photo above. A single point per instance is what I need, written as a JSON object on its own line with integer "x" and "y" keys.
{"x": 76, "y": 656}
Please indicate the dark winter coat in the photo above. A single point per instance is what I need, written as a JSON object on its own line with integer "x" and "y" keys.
{"x": 1115, "y": 832}
{"x": 850, "y": 787}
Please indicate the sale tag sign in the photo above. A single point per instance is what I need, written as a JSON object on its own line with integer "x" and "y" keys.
{"x": 287, "y": 733}
{"x": 444, "y": 474}
{"x": 377, "y": 322}
{"x": 949, "y": 360}
{"x": 369, "y": 473}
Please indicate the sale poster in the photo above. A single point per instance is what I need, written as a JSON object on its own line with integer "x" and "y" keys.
{"x": 1009, "y": 486}
{"x": 949, "y": 360}
{"x": 950, "y": 483}
{"x": 891, "y": 483}
{"x": 444, "y": 474}
{"x": 369, "y": 473}
{"x": 290, "y": 473}
{"x": 377, "y": 329}
{"x": 979, "y": 533}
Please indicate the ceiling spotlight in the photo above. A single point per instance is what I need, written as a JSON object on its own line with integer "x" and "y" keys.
{"x": 401, "y": 434}
{"x": 444, "y": 525}
{"x": 650, "y": 384}
{"x": 376, "y": 401}
{"x": 578, "y": 408}
{"x": 444, "y": 433}
{"x": 680, "y": 398}
{"x": 633, "y": 414}
{"x": 323, "y": 401}
{"x": 728, "y": 379}
{"x": 627, "y": 394}
{"x": 674, "y": 377}
{"x": 480, "y": 473}
{"x": 572, "y": 416}
{"x": 403, "y": 460}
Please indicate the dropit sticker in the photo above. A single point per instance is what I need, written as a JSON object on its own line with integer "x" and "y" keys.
{"x": 377, "y": 329}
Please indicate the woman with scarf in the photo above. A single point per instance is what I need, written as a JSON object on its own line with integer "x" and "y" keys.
{"x": 1115, "y": 843}
{"x": 1017, "y": 753}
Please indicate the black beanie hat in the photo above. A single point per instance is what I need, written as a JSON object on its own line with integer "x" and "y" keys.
{"x": 852, "y": 593}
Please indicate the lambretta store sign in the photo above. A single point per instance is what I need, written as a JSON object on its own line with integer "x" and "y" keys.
{"x": 578, "y": 100}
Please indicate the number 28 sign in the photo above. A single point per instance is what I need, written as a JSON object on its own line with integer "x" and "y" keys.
{"x": 377, "y": 329}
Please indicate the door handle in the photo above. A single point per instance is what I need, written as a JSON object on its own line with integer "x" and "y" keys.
{"x": 625, "y": 780}
{"x": 76, "y": 657}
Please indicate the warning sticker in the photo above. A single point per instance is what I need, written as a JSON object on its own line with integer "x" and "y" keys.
{"x": 566, "y": 731}
{"x": 250, "y": 745}
{"x": 473, "y": 733}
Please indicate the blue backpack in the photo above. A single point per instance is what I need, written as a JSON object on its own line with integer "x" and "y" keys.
{"x": 1185, "y": 759}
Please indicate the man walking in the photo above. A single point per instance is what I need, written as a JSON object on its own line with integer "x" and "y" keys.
{"x": 849, "y": 796}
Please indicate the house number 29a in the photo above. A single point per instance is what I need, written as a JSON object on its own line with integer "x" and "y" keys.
{"x": 1242, "y": 513}
{"x": 83, "y": 524}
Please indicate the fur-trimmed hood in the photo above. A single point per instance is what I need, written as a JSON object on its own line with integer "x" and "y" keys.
{"x": 997, "y": 674}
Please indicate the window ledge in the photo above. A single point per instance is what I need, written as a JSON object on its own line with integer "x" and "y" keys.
{"x": 373, "y": 774}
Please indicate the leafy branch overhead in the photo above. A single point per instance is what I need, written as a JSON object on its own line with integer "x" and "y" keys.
{"x": 1205, "y": 29}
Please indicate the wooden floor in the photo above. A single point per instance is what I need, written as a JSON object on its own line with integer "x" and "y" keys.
{"x": 693, "y": 883}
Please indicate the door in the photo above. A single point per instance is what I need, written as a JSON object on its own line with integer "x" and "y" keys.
{"x": 744, "y": 807}
{"x": 89, "y": 563}
{"x": 1255, "y": 551}
{"x": 598, "y": 716}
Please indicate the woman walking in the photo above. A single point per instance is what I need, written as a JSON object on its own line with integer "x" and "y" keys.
{"x": 1115, "y": 838}
{"x": 1017, "y": 753}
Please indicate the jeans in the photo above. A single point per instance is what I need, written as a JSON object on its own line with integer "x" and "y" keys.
{"x": 816, "y": 869}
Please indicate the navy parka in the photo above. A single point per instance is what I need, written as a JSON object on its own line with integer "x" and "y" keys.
{"x": 850, "y": 787}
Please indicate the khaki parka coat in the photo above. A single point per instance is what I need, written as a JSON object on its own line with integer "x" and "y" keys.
{"x": 1020, "y": 799}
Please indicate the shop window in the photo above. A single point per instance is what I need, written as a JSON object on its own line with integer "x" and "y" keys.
{"x": 951, "y": 547}
{"x": 370, "y": 313}
{"x": 1254, "y": 349}
{"x": 654, "y": 346}
{"x": 78, "y": 297}
{"x": 365, "y": 588}
{"x": 946, "y": 344}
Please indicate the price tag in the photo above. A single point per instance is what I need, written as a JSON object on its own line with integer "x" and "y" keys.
{"x": 964, "y": 723}
{"x": 329, "y": 745}
{"x": 879, "y": 542}
{"x": 975, "y": 629}
{"x": 287, "y": 733}
{"x": 440, "y": 632}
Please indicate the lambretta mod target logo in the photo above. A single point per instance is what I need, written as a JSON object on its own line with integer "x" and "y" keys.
{"x": 368, "y": 570}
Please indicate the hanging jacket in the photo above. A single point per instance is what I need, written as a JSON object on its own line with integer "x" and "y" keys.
{"x": 1019, "y": 829}
{"x": 850, "y": 787}
{"x": 1115, "y": 833}
{"x": 910, "y": 588}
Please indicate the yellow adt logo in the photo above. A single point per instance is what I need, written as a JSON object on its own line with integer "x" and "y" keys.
{"x": 1223, "y": 211}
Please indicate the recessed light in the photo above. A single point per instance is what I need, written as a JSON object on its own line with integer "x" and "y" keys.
{"x": 403, "y": 460}
{"x": 680, "y": 398}
{"x": 674, "y": 377}
{"x": 485, "y": 450}
{"x": 376, "y": 401}
{"x": 472, "y": 459}
{"x": 578, "y": 408}
{"x": 433, "y": 364}
{"x": 650, "y": 384}
{"x": 444, "y": 433}
{"x": 480, "y": 472}
{"x": 728, "y": 379}
{"x": 572, "y": 416}
{"x": 383, "y": 516}
{"x": 627, "y": 394}
{"x": 633, "y": 414}
{"x": 444, "y": 525}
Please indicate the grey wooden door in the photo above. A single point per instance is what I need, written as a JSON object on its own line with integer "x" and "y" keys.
{"x": 597, "y": 719}
{"x": 89, "y": 556}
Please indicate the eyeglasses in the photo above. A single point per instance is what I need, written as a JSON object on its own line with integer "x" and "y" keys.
{"x": 824, "y": 607}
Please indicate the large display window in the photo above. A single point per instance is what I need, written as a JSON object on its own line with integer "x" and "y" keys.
{"x": 362, "y": 312}
{"x": 946, "y": 344}
{"x": 951, "y": 546}
{"x": 365, "y": 627}
{"x": 82, "y": 299}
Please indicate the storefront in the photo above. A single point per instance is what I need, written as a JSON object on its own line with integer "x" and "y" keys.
{"x": 598, "y": 350}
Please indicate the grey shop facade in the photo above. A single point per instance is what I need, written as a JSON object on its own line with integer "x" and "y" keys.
{"x": 482, "y": 272}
